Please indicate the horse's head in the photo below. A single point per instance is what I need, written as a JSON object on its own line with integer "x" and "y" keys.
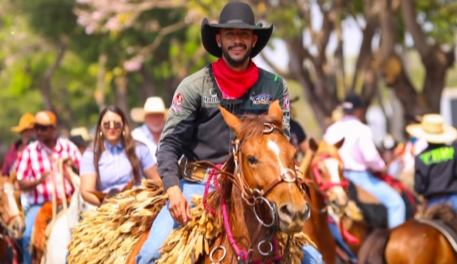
{"x": 327, "y": 170}
{"x": 10, "y": 208}
{"x": 264, "y": 160}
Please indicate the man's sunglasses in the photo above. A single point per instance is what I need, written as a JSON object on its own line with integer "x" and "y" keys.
{"x": 41, "y": 127}
{"x": 117, "y": 125}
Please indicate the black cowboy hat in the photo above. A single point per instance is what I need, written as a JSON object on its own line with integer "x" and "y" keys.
{"x": 234, "y": 15}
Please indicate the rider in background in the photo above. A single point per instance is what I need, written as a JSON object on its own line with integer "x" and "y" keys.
{"x": 195, "y": 127}
{"x": 436, "y": 166}
{"x": 81, "y": 138}
{"x": 361, "y": 158}
{"x": 153, "y": 114}
{"x": 25, "y": 129}
{"x": 414, "y": 145}
{"x": 115, "y": 158}
{"x": 37, "y": 172}
{"x": 297, "y": 134}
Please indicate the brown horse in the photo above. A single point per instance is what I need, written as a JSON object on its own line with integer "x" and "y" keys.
{"x": 12, "y": 224}
{"x": 412, "y": 242}
{"x": 258, "y": 193}
{"x": 323, "y": 166}
{"x": 264, "y": 188}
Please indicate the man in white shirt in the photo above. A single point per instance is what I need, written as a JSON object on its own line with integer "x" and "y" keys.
{"x": 153, "y": 114}
{"x": 361, "y": 158}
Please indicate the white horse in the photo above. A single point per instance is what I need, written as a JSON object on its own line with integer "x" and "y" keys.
{"x": 60, "y": 230}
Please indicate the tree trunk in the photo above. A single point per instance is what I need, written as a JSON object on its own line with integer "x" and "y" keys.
{"x": 100, "y": 90}
{"x": 148, "y": 89}
{"x": 436, "y": 66}
{"x": 46, "y": 85}
{"x": 121, "y": 83}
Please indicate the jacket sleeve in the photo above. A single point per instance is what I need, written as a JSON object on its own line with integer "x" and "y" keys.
{"x": 177, "y": 133}
{"x": 284, "y": 101}
{"x": 420, "y": 176}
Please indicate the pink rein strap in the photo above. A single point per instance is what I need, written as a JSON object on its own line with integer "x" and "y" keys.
{"x": 241, "y": 253}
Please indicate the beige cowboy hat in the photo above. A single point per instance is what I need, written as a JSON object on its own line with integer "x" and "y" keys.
{"x": 27, "y": 121}
{"x": 81, "y": 131}
{"x": 433, "y": 130}
{"x": 153, "y": 105}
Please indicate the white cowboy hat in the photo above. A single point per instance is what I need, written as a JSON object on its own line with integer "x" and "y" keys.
{"x": 81, "y": 131}
{"x": 153, "y": 105}
{"x": 433, "y": 130}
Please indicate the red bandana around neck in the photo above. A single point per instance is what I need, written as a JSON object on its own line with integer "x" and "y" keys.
{"x": 234, "y": 84}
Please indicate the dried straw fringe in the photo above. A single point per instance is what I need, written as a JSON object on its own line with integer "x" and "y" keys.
{"x": 108, "y": 234}
{"x": 188, "y": 243}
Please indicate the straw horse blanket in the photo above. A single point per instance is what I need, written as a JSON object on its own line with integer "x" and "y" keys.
{"x": 108, "y": 234}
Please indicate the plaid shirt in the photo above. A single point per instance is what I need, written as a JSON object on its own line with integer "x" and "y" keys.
{"x": 37, "y": 159}
{"x": 10, "y": 158}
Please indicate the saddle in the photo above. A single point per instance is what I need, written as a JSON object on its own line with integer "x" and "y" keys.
{"x": 449, "y": 233}
{"x": 41, "y": 229}
{"x": 374, "y": 213}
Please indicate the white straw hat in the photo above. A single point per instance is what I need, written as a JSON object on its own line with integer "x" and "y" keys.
{"x": 153, "y": 105}
{"x": 433, "y": 130}
{"x": 81, "y": 131}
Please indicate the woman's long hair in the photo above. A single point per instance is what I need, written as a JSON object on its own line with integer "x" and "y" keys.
{"x": 127, "y": 140}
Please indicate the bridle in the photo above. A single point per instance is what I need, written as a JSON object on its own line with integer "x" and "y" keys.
{"x": 326, "y": 185}
{"x": 253, "y": 197}
{"x": 286, "y": 175}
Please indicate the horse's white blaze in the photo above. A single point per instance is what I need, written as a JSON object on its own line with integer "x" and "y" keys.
{"x": 275, "y": 148}
{"x": 9, "y": 191}
{"x": 333, "y": 165}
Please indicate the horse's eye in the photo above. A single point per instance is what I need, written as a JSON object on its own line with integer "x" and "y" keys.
{"x": 252, "y": 160}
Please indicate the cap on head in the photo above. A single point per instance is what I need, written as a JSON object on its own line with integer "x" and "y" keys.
{"x": 352, "y": 102}
{"x": 26, "y": 122}
{"x": 45, "y": 118}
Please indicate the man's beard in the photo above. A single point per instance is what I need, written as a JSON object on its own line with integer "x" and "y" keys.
{"x": 234, "y": 62}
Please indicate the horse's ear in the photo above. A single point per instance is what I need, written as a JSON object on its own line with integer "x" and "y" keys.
{"x": 232, "y": 121}
{"x": 129, "y": 185}
{"x": 313, "y": 144}
{"x": 275, "y": 111}
{"x": 339, "y": 143}
{"x": 100, "y": 196}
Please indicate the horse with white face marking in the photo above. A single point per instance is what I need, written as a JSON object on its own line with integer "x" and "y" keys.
{"x": 323, "y": 166}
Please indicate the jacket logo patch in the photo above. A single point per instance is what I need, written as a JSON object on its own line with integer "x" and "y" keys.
{"x": 263, "y": 98}
{"x": 287, "y": 102}
{"x": 177, "y": 102}
{"x": 211, "y": 99}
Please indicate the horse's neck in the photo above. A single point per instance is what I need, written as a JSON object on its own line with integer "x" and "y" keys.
{"x": 306, "y": 161}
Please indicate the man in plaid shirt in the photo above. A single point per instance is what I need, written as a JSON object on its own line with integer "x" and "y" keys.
{"x": 25, "y": 129}
{"x": 37, "y": 170}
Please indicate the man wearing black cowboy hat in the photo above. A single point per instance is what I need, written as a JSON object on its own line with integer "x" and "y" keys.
{"x": 195, "y": 127}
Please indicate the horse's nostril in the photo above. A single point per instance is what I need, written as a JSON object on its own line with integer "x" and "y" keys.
{"x": 285, "y": 211}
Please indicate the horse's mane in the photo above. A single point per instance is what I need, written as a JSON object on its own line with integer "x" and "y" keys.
{"x": 443, "y": 213}
{"x": 254, "y": 125}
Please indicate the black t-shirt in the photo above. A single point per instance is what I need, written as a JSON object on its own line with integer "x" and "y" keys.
{"x": 297, "y": 135}
{"x": 436, "y": 170}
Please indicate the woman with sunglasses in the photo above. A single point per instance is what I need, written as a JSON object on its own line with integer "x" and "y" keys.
{"x": 115, "y": 158}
